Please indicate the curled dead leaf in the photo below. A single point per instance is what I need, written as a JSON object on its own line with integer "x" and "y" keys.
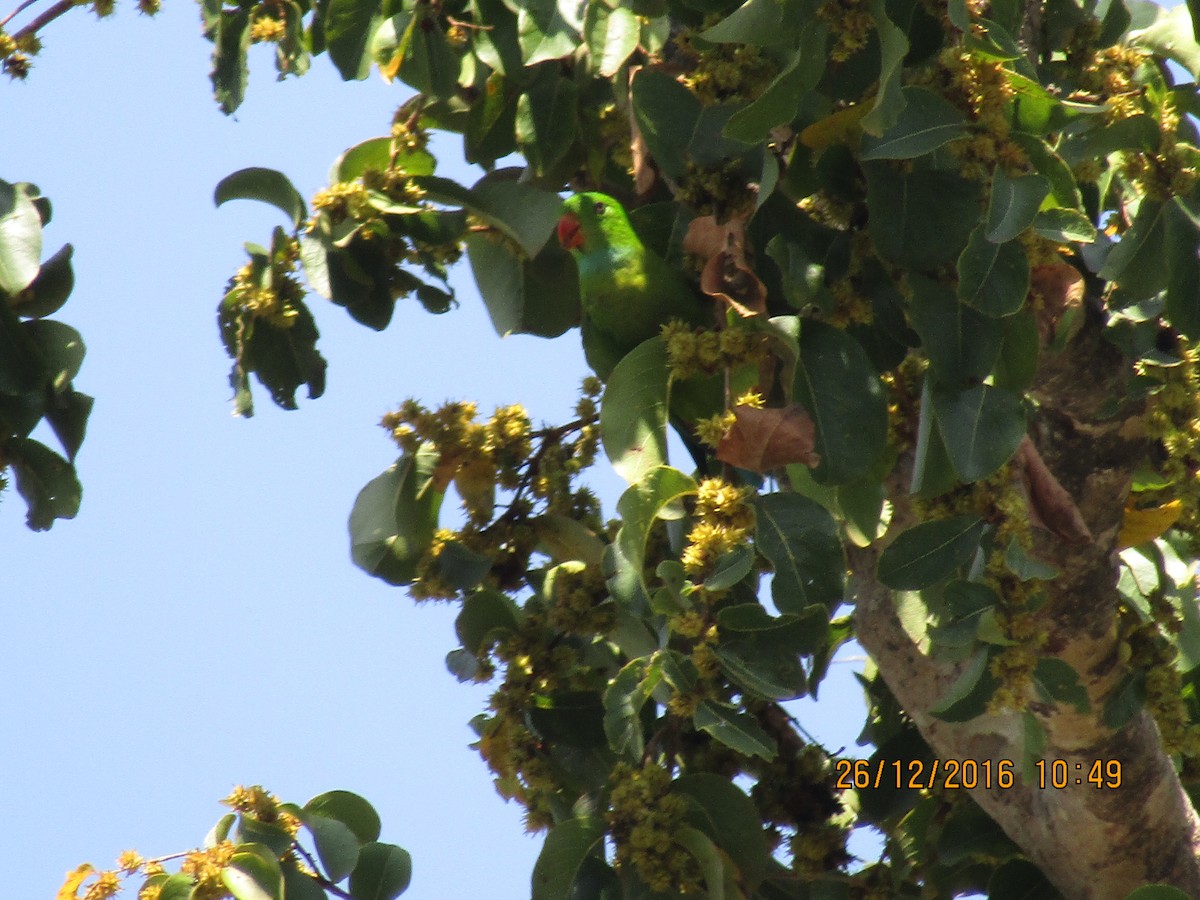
{"x": 765, "y": 439}
{"x": 1051, "y": 506}
{"x": 727, "y": 275}
{"x": 644, "y": 173}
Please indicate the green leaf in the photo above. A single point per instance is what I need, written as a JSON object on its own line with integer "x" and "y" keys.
{"x": 20, "y": 239}
{"x": 175, "y": 887}
{"x": 68, "y": 416}
{"x": 734, "y": 729}
{"x": 567, "y": 846}
{"x": 51, "y": 287}
{"x": 981, "y": 427}
{"x": 349, "y": 26}
{"x": 920, "y": 219}
{"x": 1126, "y": 700}
{"x": 1014, "y": 203}
{"x": 46, "y": 482}
{"x": 962, "y": 344}
{"x": 383, "y": 872}
{"x": 707, "y": 856}
{"x": 800, "y": 540}
{"x": 298, "y": 885}
{"x": 953, "y": 702}
{"x": 547, "y": 121}
{"x": 337, "y": 846}
{"x": 524, "y": 296}
{"x": 60, "y": 347}
{"x": 612, "y": 35}
{"x": 624, "y": 699}
{"x": 1183, "y": 280}
{"x": 633, "y": 411}
{"x": 253, "y": 873}
{"x": 668, "y": 116}
{"x": 487, "y": 615}
{"x": 722, "y": 811}
{"x": 927, "y": 553}
{"x": 563, "y": 538}
{"x": 1056, "y": 681}
{"x": 762, "y": 654}
{"x": 1019, "y": 879}
{"x": 1048, "y": 163}
{"x": 655, "y": 495}
{"x": 927, "y": 122}
{"x": 763, "y": 23}
{"x": 230, "y": 43}
{"x": 890, "y": 99}
{"x": 1138, "y": 261}
{"x": 264, "y": 185}
{"x": 544, "y": 32}
{"x": 841, "y": 391}
{"x": 1064, "y": 226}
{"x": 491, "y": 122}
{"x": 271, "y": 836}
{"x": 778, "y": 103}
{"x": 993, "y": 278}
{"x": 525, "y": 213}
{"x": 1172, "y": 36}
{"x": 394, "y": 518}
{"x": 1026, "y": 567}
{"x": 731, "y": 568}
{"x": 430, "y": 65}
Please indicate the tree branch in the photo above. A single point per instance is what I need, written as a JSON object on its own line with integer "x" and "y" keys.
{"x": 43, "y": 19}
{"x": 1092, "y": 843}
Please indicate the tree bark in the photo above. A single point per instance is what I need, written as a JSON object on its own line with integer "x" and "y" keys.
{"x": 1091, "y": 843}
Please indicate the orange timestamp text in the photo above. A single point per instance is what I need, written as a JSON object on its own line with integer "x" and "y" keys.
{"x": 968, "y": 774}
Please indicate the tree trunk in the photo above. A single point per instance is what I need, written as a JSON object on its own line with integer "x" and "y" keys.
{"x": 1091, "y": 842}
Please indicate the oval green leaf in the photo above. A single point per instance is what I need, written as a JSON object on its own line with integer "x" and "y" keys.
{"x": 927, "y": 122}
{"x": 633, "y": 412}
{"x": 264, "y": 185}
{"x": 567, "y": 846}
{"x": 253, "y": 873}
{"x": 926, "y": 553}
{"x": 980, "y": 426}
{"x": 350, "y": 809}
{"x": 1014, "y": 203}
{"x": 383, "y": 872}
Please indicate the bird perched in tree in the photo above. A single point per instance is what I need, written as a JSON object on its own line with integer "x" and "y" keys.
{"x": 627, "y": 291}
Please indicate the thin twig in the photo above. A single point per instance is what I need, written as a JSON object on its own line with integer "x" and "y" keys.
{"x": 16, "y": 12}
{"x": 44, "y": 19}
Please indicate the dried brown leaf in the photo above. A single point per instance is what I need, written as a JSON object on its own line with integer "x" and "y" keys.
{"x": 1051, "y": 506}
{"x": 765, "y": 439}
{"x": 726, "y": 274}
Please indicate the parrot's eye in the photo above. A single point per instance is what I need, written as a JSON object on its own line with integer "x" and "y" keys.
{"x": 599, "y": 208}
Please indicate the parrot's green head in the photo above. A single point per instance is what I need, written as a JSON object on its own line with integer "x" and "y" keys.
{"x": 592, "y": 222}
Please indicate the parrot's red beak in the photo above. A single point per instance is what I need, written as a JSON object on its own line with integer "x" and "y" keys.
{"x": 570, "y": 234}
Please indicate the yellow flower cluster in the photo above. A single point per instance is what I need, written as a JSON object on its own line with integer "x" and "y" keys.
{"x": 695, "y": 351}
{"x": 260, "y": 804}
{"x": 266, "y": 28}
{"x": 724, "y": 521}
{"x": 1154, "y": 653}
{"x": 719, "y": 190}
{"x": 1174, "y": 421}
{"x": 850, "y": 23}
{"x": 272, "y": 297}
{"x": 819, "y": 849}
{"x": 522, "y": 774}
{"x": 723, "y": 73}
{"x": 1013, "y": 667}
{"x": 644, "y": 819}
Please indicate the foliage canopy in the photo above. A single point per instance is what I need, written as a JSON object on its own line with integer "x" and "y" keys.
{"x": 951, "y": 249}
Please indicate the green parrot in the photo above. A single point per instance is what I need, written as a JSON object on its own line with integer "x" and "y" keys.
{"x": 627, "y": 291}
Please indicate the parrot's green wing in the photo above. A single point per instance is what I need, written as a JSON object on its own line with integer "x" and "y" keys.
{"x": 627, "y": 291}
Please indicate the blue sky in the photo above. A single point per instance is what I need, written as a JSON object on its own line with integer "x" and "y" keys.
{"x": 200, "y": 623}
